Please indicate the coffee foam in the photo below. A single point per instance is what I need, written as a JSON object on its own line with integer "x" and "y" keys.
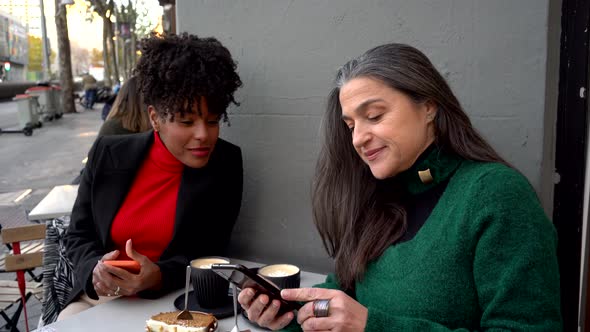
{"x": 278, "y": 270}
{"x": 205, "y": 263}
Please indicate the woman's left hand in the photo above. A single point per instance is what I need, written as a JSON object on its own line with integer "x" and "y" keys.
{"x": 344, "y": 313}
{"x": 149, "y": 277}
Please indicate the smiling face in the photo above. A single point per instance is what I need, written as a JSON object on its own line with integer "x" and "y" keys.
{"x": 190, "y": 138}
{"x": 389, "y": 129}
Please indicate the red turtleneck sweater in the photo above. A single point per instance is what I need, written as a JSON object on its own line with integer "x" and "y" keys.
{"x": 148, "y": 213}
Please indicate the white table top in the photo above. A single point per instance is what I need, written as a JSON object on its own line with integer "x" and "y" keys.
{"x": 131, "y": 313}
{"x": 59, "y": 202}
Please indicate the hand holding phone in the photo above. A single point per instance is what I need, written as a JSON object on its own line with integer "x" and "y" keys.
{"x": 128, "y": 265}
{"x": 242, "y": 277}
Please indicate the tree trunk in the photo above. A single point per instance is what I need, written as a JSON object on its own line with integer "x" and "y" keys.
{"x": 105, "y": 56}
{"x": 65, "y": 62}
{"x": 113, "y": 50}
{"x": 125, "y": 60}
{"x": 133, "y": 49}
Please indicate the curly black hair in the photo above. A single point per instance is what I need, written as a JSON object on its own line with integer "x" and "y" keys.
{"x": 174, "y": 71}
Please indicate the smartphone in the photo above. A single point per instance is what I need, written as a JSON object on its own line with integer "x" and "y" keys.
{"x": 243, "y": 277}
{"x": 129, "y": 265}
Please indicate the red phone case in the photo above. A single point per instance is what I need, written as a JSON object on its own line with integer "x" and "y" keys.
{"x": 129, "y": 265}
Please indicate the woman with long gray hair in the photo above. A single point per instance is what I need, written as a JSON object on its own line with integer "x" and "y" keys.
{"x": 430, "y": 229}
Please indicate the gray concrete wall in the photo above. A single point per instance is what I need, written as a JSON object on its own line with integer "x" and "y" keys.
{"x": 493, "y": 53}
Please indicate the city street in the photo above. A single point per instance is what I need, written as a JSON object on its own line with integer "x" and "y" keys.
{"x": 52, "y": 42}
{"x": 51, "y": 156}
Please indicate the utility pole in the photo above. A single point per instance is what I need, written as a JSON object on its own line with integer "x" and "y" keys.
{"x": 46, "y": 63}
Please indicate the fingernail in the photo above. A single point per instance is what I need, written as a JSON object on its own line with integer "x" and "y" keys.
{"x": 263, "y": 300}
{"x": 276, "y": 304}
{"x": 250, "y": 292}
{"x": 285, "y": 292}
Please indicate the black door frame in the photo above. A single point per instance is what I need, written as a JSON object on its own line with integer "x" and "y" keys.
{"x": 570, "y": 153}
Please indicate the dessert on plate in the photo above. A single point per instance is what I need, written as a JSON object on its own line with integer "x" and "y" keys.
{"x": 167, "y": 322}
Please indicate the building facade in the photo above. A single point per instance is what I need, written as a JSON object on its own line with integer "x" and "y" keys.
{"x": 14, "y": 48}
{"x": 28, "y": 12}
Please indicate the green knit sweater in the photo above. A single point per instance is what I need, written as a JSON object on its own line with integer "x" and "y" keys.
{"x": 485, "y": 259}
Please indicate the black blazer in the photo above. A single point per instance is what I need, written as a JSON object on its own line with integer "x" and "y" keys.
{"x": 208, "y": 203}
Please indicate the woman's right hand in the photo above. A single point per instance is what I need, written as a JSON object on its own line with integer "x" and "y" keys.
{"x": 103, "y": 281}
{"x": 261, "y": 312}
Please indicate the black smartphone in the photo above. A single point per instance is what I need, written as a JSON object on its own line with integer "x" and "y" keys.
{"x": 243, "y": 277}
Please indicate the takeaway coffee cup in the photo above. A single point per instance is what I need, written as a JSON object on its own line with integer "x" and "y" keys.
{"x": 209, "y": 289}
{"x": 282, "y": 275}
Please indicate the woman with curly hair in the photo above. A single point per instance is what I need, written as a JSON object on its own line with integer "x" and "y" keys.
{"x": 166, "y": 196}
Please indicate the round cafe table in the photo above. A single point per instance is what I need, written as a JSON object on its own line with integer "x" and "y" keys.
{"x": 131, "y": 313}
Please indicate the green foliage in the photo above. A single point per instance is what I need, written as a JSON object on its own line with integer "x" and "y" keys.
{"x": 137, "y": 14}
{"x": 137, "y": 19}
{"x": 35, "y": 54}
{"x": 35, "y": 67}
{"x": 144, "y": 24}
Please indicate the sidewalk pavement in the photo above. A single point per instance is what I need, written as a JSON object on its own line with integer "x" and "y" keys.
{"x": 51, "y": 156}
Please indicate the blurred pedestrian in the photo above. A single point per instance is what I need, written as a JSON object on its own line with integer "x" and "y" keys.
{"x": 90, "y": 88}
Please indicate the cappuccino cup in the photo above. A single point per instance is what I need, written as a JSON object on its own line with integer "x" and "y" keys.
{"x": 209, "y": 289}
{"x": 282, "y": 275}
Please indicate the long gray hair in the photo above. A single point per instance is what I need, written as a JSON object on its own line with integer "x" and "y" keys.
{"x": 358, "y": 216}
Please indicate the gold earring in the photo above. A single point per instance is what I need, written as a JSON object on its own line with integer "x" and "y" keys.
{"x": 425, "y": 176}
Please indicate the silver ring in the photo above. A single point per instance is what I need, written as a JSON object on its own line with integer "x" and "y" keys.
{"x": 117, "y": 291}
{"x": 321, "y": 308}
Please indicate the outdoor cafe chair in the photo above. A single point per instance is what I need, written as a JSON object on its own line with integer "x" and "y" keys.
{"x": 18, "y": 292}
{"x": 12, "y": 216}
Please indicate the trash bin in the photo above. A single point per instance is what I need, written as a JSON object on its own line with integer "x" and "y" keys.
{"x": 36, "y": 109}
{"x": 28, "y": 113}
{"x": 47, "y": 107}
{"x": 58, "y": 99}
